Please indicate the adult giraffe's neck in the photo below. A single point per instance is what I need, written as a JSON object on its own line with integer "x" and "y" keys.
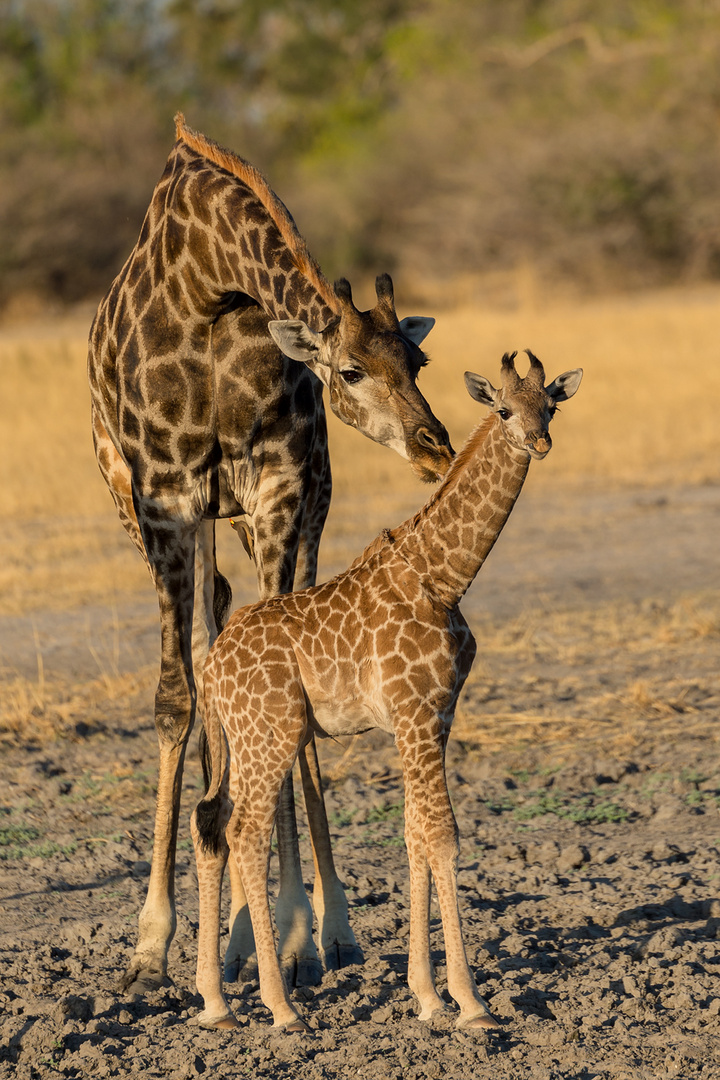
{"x": 449, "y": 539}
{"x": 225, "y": 231}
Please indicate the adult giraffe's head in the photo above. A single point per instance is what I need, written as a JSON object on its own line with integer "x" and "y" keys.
{"x": 526, "y": 406}
{"x": 370, "y": 362}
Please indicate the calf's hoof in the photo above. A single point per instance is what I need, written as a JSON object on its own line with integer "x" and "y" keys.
{"x": 483, "y": 1021}
{"x": 143, "y": 977}
{"x": 218, "y": 1023}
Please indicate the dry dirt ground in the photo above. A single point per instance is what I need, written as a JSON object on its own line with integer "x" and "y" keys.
{"x": 585, "y": 775}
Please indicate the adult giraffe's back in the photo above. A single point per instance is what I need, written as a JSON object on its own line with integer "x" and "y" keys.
{"x": 197, "y": 414}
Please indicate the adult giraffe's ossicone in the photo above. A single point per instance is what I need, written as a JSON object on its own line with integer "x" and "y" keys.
{"x": 197, "y": 414}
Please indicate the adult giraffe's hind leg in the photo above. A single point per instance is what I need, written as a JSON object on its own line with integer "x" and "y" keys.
{"x": 275, "y": 550}
{"x": 171, "y": 551}
{"x": 338, "y": 945}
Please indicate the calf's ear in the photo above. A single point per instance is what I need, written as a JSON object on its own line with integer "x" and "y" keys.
{"x": 565, "y": 385}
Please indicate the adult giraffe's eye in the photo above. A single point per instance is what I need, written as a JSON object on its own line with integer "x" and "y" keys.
{"x": 351, "y": 376}
{"x": 504, "y": 414}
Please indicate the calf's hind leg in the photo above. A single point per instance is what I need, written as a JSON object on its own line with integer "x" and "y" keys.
{"x": 210, "y": 868}
{"x": 249, "y": 836}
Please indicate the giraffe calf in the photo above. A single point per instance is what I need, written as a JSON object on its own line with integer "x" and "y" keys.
{"x": 381, "y": 645}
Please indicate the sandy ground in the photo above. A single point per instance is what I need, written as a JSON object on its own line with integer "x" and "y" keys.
{"x": 585, "y": 775}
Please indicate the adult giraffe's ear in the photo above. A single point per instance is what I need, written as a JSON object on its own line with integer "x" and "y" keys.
{"x": 416, "y": 327}
{"x": 295, "y": 339}
{"x": 480, "y": 388}
{"x": 565, "y": 385}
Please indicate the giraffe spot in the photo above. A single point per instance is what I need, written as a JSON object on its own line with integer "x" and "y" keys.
{"x": 175, "y": 238}
{"x": 263, "y": 281}
{"x": 224, "y": 231}
{"x": 161, "y": 333}
{"x": 157, "y": 443}
{"x": 144, "y": 233}
{"x": 279, "y": 288}
{"x": 194, "y": 448}
{"x": 175, "y": 294}
{"x": 169, "y": 393}
{"x": 130, "y": 426}
{"x": 245, "y": 249}
{"x": 199, "y": 193}
{"x": 284, "y": 261}
{"x": 255, "y": 242}
{"x": 199, "y": 244}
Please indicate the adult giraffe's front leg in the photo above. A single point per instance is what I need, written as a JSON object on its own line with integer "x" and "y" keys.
{"x": 272, "y": 537}
{"x": 338, "y": 945}
{"x": 170, "y": 546}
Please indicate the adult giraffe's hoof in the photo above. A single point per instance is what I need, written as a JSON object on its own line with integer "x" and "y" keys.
{"x": 483, "y": 1021}
{"x": 339, "y": 956}
{"x": 301, "y": 970}
{"x": 238, "y": 970}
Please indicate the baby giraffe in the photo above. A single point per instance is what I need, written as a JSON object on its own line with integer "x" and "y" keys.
{"x": 382, "y": 645}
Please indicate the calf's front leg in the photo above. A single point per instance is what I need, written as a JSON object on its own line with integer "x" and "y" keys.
{"x": 432, "y": 818}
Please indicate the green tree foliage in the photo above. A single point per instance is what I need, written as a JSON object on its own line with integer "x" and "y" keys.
{"x": 437, "y": 136}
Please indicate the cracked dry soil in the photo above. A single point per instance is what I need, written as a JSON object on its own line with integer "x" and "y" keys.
{"x": 590, "y": 904}
{"x": 589, "y": 870}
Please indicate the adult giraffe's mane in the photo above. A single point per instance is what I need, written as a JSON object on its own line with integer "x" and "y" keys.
{"x": 277, "y": 210}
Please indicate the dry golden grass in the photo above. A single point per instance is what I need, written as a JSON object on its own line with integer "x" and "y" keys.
{"x": 592, "y": 700}
{"x": 646, "y": 415}
{"x": 43, "y": 709}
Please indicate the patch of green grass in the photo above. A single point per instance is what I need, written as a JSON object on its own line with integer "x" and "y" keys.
{"x": 19, "y": 842}
{"x": 582, "y": 809}
{"x": 521, "y": 776}
{"x": 388, "y": 812}
{"x": 692, "y": 776}
{"x": 91, "y": 786}
{"x": 342, "y": 817}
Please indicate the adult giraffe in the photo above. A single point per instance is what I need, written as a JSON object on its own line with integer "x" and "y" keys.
{"x": 206, "y": 363}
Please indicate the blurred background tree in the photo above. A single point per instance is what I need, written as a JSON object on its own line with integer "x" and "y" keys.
{"x": 439, "y": 139}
